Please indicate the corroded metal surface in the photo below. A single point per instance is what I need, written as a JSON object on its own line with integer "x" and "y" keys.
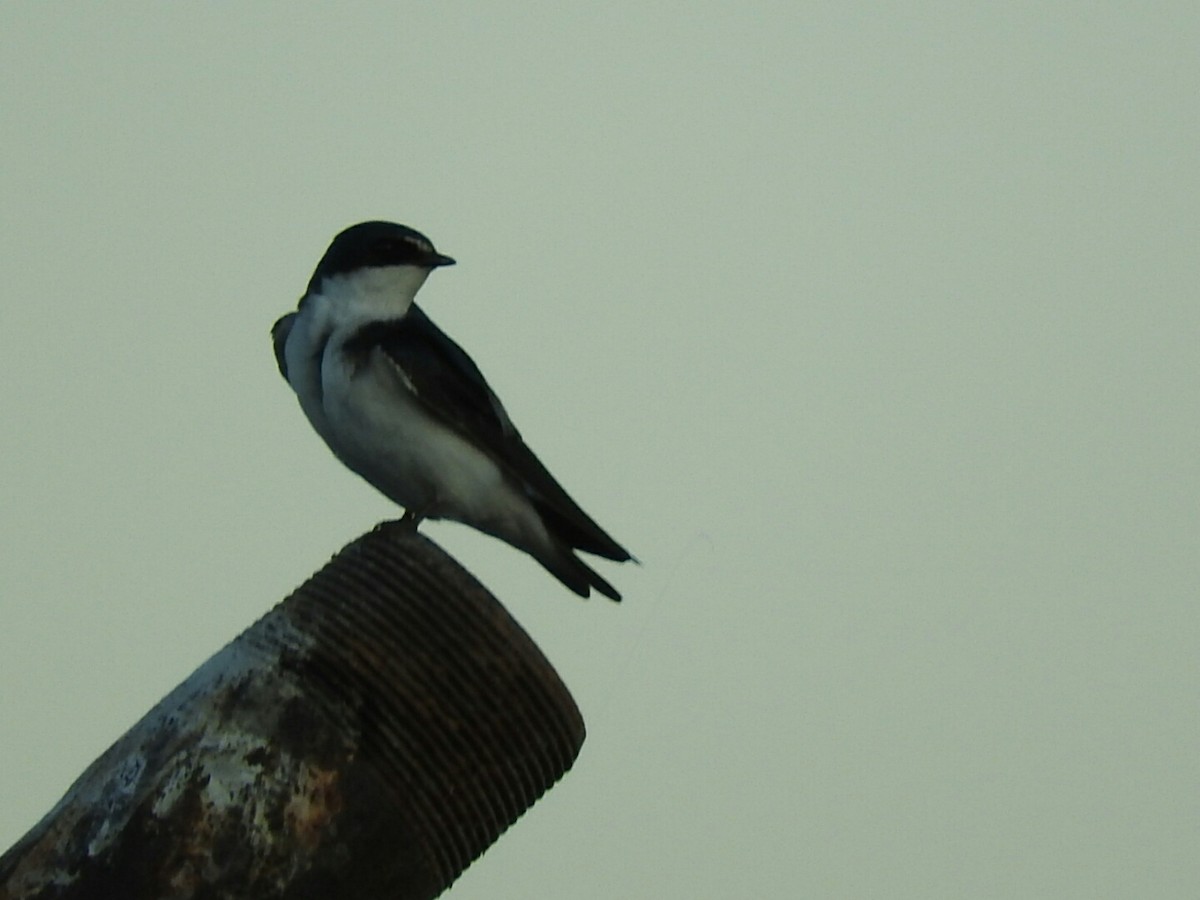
{"x": 368, "y": 737}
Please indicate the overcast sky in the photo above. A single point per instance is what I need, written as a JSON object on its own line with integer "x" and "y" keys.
{"x": 871, "y": 329}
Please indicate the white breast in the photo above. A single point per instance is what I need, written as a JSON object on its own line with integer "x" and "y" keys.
{"x": 383, "y": 433}
{"x": 367, "y": 414}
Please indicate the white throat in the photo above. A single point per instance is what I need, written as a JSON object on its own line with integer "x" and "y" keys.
{"x": 371, "y": 294}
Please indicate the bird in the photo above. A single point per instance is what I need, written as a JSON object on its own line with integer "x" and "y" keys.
{"x": 404, "y": 406}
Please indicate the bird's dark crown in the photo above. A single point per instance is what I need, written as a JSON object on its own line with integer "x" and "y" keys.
{"x": 369, "y": 245}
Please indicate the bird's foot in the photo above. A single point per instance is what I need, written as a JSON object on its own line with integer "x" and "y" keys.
{"x": 413, "y": 517}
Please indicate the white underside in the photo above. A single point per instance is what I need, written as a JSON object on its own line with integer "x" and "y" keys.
{"x": 373, "y": 422}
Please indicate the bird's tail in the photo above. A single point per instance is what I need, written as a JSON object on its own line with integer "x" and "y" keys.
{"x": 574, "y": 573}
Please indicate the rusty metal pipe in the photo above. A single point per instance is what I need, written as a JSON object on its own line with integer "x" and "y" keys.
{"x": 367, "y": 738}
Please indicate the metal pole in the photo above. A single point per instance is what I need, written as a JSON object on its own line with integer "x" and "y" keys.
{"x": 367, "y": 738}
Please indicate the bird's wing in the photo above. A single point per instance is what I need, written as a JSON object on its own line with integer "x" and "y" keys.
{"x": 279, "y": 335}
{"x": 450, "y": 387}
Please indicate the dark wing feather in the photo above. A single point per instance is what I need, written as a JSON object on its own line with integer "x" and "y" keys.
{"x": 451, "y": 388}
{"x": 279, "y": 336}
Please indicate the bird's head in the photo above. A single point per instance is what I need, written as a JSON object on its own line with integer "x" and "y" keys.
{"x": 379, "y": 250}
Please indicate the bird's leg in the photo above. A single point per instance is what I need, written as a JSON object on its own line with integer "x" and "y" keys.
{"x": 414, "y": 515}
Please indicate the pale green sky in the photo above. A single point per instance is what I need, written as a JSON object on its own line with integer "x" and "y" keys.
{"x": 870, "y": 328}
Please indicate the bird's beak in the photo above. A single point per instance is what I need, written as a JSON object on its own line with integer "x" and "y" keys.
{"x": 439, "y": 260}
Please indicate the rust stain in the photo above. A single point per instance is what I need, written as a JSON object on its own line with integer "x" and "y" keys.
{"x": 315, "y": 803}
